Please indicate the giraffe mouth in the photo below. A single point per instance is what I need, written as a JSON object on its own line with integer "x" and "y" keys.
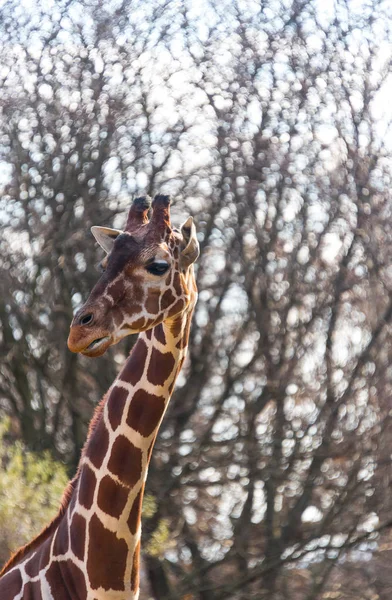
{"x": 97, "y": 346}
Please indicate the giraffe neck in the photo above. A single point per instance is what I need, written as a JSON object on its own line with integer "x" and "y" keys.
{"x": 91, "y": 549}
{"x": 114, "y": 466}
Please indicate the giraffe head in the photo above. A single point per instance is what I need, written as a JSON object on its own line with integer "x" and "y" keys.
{"x": 148, "y": 278}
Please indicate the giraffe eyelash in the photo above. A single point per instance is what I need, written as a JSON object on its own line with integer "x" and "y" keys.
{"x": 158, "y": 267}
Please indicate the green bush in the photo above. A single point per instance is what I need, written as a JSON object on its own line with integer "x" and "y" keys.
{"x": 31, "y": 486}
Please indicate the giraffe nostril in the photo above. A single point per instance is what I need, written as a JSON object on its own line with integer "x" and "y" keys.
{"x": 86, "y": 319}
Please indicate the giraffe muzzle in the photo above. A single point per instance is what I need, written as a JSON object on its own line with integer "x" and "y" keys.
{"x": 97, "y": 347}
{"x": 89, "y": 345}
{"x": 97, "y": 343}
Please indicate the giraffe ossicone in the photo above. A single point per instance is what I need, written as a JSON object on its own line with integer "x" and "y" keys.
{"x": 90, "y": 551}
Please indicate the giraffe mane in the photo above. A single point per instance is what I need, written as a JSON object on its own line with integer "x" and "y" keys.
{"x": 49, "y": 529}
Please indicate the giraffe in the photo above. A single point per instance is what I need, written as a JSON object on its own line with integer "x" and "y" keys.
{"x": 91, "y": 549}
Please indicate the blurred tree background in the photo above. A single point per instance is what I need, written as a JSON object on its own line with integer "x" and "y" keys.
{"x": 270, "y": 122}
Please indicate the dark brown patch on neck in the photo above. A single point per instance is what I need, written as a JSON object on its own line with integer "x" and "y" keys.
{"x": 35, "y": 564}
{"x": 116, "y": 404}
{"x": 136, "y": 512}
{"x": 32, "y": 589}
{"x": 66, "y": 581}
{"x": 145, "y": 412}
{"x": 160, "y": 367}
{"x": 125, "y": 461}
{"x": 78, "y": 535}
{"x": 99, "y": 444}
{"x": 107, "y": 557}
{"x": 88, "y": 481}
{"x": 54, "y": 577}
{"x": 12, "y": 583}
{"x": 134, "y": 367}
{"x": 61, "y": 543}
{"x": 112, "y": 497}
{"x": 39, "y": 560}
{"x": 78, "y": 579}
{"x": 159, "y": 334}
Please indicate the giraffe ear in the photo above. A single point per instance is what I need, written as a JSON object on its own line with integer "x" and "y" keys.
{"x": 105, "y": 237}
{"x": 191, "y": 248}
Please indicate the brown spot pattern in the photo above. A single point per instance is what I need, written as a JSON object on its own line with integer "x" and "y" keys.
{"x": 78, "y": 535}
{"x": 178, "y": 307}
{"x": 107, "y": 557}
{"x": 133, "y": 309}
{"x": 98, "y": 444}
{"x": 116, "y": 404}
{"x": 159, "y": 334}
{"x": 112, "y": 497}
{"x": 66, "y": 581}
{"x": 32, "y": 591}
{"x": 138, "y": 325}
{"x": 126, "y": 461}
{"x": 152, "y": 322}
{"x": 45, "y": 552}
{"x": 87, "y": 485}
{"x": 145, "y": 412}
{"x": 33, "y": 567}
{"x": 160, "y": 367}
{"x": 40, "y": 560}
{"x": 61, "y": 542}
{"x": 72, "y": 504}
{"x": 177, "y": 282}
{"x": 10, "y": 584}
{"x": 135, "y": 514}
{"x": 78, "y": 585}
{"x": 134, "y": 367}
{"x": 116, "y": 290}
{"x": 137, "y": 288}
{"x": 152, "y": 302}
{"x": 167, "y": 299}
{"x": 54, "y": 577}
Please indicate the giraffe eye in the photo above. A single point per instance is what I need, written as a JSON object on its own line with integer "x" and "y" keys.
{"x": 158, "y": 267}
